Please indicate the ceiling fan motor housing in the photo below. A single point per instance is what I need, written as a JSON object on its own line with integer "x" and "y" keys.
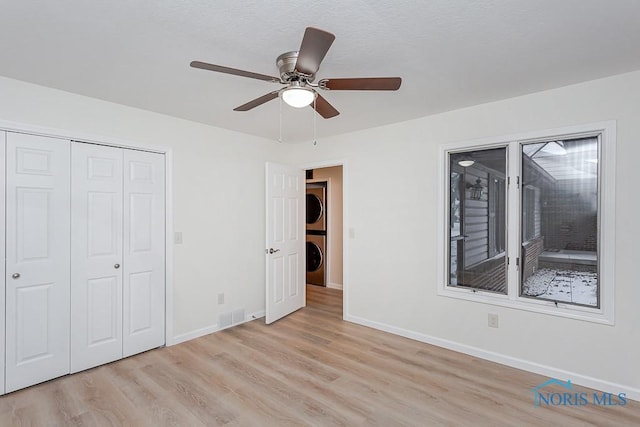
{"x": 286, "y": 64}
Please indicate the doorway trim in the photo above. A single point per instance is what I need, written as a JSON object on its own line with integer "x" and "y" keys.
{"x": 345, "y": 223}
{"x": 168, "y": 196}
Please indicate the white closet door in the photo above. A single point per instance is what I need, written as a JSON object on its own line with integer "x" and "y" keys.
{"x": 37, "y": 264}
{"x": 96, "y": 255}
{"x": 3, "y": 146}
{"x": 144, "y": 248}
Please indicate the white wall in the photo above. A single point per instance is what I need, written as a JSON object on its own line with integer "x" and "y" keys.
{"x": 218, "y": 184}
{"x": 392, "y": 203}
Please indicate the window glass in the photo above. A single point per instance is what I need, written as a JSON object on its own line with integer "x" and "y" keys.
{"x": 477, "y": 220}
{"x": 559, "y": 221}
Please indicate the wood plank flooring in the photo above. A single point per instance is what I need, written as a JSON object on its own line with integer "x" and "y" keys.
{"x": 310, "y": 368}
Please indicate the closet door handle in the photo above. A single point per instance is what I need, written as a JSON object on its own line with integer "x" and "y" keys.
{"x": 16, "y": 275}
{"x": 116, "y": 266}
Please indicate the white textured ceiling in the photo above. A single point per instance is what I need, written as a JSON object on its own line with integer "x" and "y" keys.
{"x": 449, "y": 53}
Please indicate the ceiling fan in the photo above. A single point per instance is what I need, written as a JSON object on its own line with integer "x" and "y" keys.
{"x": 298, "y": 71}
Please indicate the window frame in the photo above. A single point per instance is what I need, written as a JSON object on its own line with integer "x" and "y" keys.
{"x": 603, "y": 314}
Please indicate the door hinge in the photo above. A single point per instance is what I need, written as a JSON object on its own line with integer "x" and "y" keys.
{"x": 517, "y": 182}
{"x": 518, "y": 263}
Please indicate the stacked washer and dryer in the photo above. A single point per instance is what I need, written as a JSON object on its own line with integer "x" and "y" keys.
{"x": 316, "y": 233}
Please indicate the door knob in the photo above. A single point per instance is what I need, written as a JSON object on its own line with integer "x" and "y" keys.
{"x": 116, "y": 266}
{"x": 273, "y": 251}
{"x": 15, "y": 275}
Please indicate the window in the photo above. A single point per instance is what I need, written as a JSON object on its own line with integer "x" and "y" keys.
{"x": 560, "y": 235}
{"x": 477, "y": 230}
{"x": 529, "y": 222}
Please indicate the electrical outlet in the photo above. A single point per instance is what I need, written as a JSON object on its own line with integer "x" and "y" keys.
{"x": 220, "y": 298}
{"x": 493, "y": 320}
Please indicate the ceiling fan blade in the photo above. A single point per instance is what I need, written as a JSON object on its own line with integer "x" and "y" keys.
{"x": 323, "y": 107}
{"x": 234, "y": 71}
{"x": 258, "y": 101}
{"x": 313, "y": 48}
{"x": 366, "y": 83}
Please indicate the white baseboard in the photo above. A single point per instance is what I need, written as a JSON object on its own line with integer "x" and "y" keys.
{"x": 334, "y": 285}
{"x": 188, "y": 336}
{"x": 255, "y": 315}
{"x": 548, "y": 371}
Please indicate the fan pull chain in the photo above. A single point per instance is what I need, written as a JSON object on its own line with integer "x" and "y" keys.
{"x": 280, "y": 135}
{"x": 315, "y": 113}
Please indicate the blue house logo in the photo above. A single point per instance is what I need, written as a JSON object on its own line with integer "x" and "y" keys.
{"x": 540, "y": 397}
{"x": 570, "y": 397}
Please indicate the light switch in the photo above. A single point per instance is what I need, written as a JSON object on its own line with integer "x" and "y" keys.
{"x": 177, "y": 238}
{"x": 352, "y": 233}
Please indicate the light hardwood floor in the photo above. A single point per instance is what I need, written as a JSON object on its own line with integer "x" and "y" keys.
{"x": 310, "y": 368}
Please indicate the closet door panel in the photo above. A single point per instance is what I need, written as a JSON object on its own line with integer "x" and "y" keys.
{"x": 37, "y": 259}
{"x": 144, "y": 248}
{"x": 3, "y": 146}
{"x": 96, "y": 284}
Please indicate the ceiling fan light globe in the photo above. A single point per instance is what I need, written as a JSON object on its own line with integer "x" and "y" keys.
{"x": 298, "y": 97}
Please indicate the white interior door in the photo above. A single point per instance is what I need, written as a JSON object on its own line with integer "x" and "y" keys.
{"x": 96, "y": 273}
{"x": 285, "y": 264}
{"x": 144, "y": 251}
{"x": 37, "y": 259}
{"x": 3, "y": 146}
